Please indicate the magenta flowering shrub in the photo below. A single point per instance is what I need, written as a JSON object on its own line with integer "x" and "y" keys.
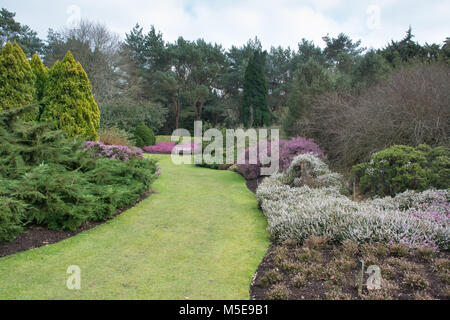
{"x": 122, "y": 153}
{"x": 289, "y": 149}
{"x": 252, "y": 171}
{"x": 193, "y": 147}
{"x": 160, "y": 148}
{"x": 167, "y": 147}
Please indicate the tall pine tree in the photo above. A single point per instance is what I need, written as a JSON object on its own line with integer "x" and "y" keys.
{"x": 68, "y": 100}
{"x": 255, "y": 110}
{"x": 310, "y": 81}
{"x": 16, "y": 79}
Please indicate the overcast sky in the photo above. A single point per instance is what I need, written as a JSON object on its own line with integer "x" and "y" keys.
{"x": 275, "y": 22}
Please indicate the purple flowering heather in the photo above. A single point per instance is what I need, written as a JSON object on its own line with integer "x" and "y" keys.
{"x": 289, "y": 149}
{"x": 160, "y": 148}
{"x": 296, "y": 146}
{"x": 192, "y": 147}
{"x": 122, "y": 153}
{"x": 168, "y": 147}
{"x": 252, "y": 171}
{"x": 437, "y": 210}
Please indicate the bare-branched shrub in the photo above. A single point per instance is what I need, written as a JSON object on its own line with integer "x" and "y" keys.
{"x": 411, "y": 108}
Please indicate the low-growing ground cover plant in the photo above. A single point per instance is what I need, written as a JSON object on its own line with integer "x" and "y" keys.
{"x": 50, "y": 180}
{"x": 318, "y": 270}
{"x": 252, "y": 171}
{"x": 120, "y": 152}
{"x": 160, "y": 148}
{"x": 289, "y": 149}
{"x": 305, "y": 201}
{"x": 401, "y": 168}
{"x": 167, "y": 148}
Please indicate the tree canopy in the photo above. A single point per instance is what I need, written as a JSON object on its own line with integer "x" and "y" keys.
{"x": 11, "y": 30}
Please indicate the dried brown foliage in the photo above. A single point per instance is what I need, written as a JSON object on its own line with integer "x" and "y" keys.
{"x": 410, "y": 108}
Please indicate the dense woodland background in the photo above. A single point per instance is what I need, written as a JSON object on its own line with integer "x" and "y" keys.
{"x": 351, "y": 100}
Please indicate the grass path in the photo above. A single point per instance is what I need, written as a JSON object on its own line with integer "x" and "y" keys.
{"x": 201, "y": 236}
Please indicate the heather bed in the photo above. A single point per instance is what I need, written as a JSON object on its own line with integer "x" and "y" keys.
{"x": 320, "y": 238}
{"x": 299, "y": 205}
{"x": 288, "y": 150}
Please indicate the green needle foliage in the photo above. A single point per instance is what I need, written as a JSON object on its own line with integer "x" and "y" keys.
{"x": 48, "y": 179}
{"x": 41, "y": 73}
{"x": 309, "y": 83}
{"x": 68, "y": 101}
{"x": 255, "y": 110}
{"x": 16, "y": 79}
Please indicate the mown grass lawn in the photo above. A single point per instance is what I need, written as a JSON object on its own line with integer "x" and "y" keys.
{"x": 201, "y": 236}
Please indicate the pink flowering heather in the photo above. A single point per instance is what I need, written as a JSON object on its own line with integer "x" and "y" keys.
{"x": 289, "y": 149}
{"x": 437, "y": 209}
{"x": 160, "y": 148}
{"x": 122, "y": 153}
{"x": 168, "y": 147}
{"x": 294, "y": 147}
{"x": 192, "y": 147}
{"x": 252, "y": 171}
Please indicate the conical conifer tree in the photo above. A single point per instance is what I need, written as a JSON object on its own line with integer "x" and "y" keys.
{"x": 17, "y": 80}
{"x": 255, "y": 110}
{"x": 68, "y": 100}
{"x": 41, "y": 73}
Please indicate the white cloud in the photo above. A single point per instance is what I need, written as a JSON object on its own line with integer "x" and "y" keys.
{"x": 282, "y": 22}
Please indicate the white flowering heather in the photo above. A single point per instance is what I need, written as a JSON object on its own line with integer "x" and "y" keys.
{"x": 412, "y": 199}
{"x": 294, "y": 211}
{"x": 331, "y": 179}
{"x": 317, "y": 172}
{"x": 313, "y": 164}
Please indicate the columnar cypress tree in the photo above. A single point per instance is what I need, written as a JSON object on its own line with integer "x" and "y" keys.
{"x": 68, "y": 100}
{"x": 16, "y": 79}
{"x": 255, "y": 110}
{"x": 41, "y": 73}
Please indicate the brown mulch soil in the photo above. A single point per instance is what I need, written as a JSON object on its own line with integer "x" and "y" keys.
{"x": 319, "y": 271}
{"x": 37, "y": 236}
